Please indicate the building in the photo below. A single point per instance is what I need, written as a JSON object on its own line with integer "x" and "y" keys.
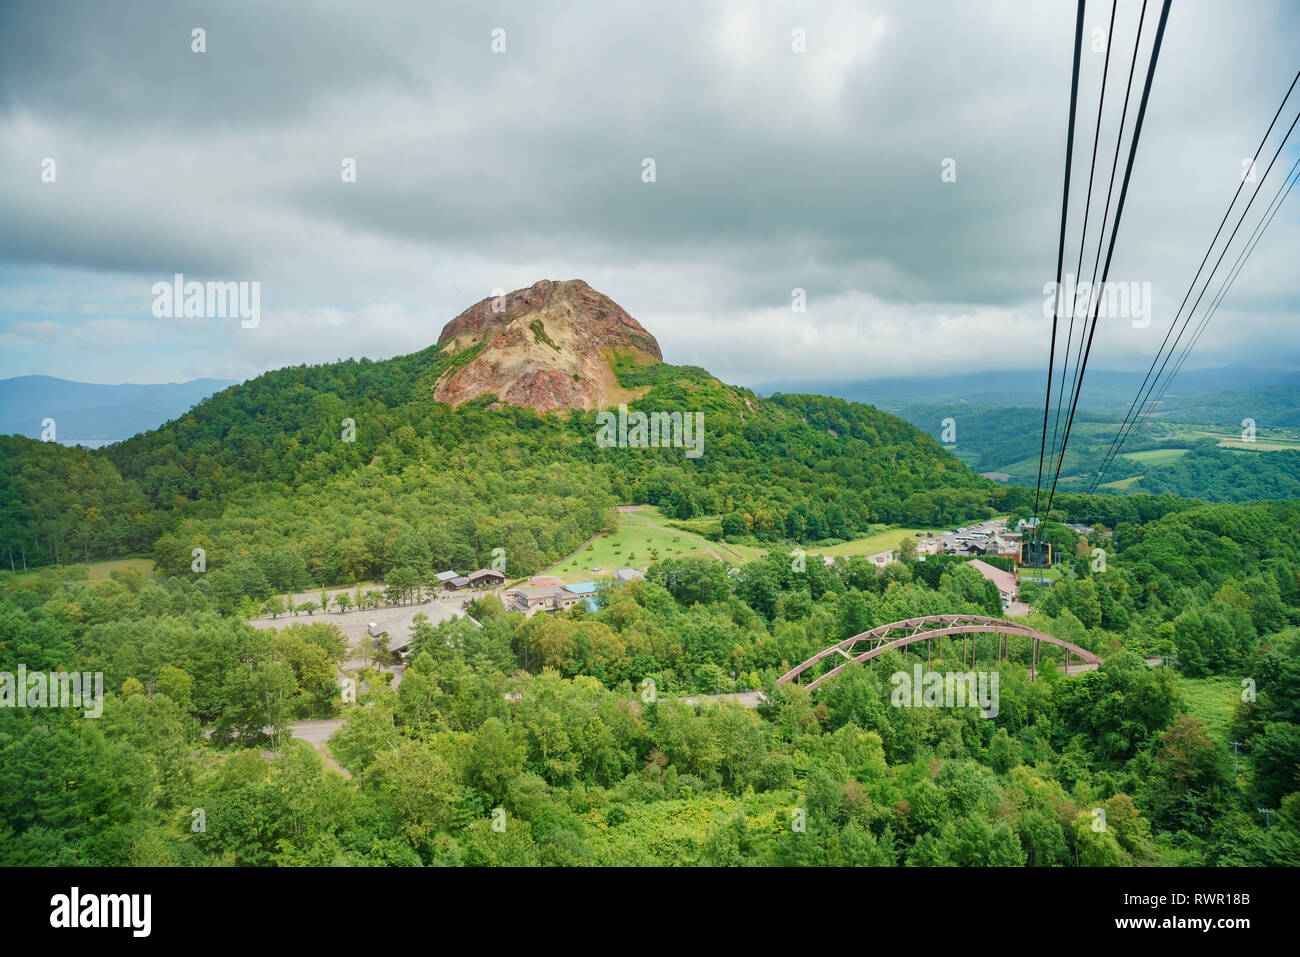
{"x": 444, "y": 577}
{"x": 547, "y": 598}
{"x": 456, "y": 584}
{"x": 587, "y": 592}
{"x": 485, "y": 578}
{"x": 1008, "y": 590}
{"x": 541, "y": 581}
{"x": 1002, "y": 546}
{"x": 625, "y": 575}
{"x": 399, "y": 628}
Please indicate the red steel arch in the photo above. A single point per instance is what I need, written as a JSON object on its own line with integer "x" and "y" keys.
{"x": 898, "y": 634}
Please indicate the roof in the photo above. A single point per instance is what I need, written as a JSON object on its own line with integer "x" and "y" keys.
{"x": 627, "y": 574}
{"x": 1005, "y": 581}
{"x": 483, "y": 573}
{"x": 582, "y": 588}
{"x": 546, "y": 591}
{"x": 446, "y": 576}
{"x": 398, "y": 626}
{"x": 462, "y": 580}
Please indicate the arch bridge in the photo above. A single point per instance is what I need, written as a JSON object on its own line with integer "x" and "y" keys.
{"x": 899, "y": 634}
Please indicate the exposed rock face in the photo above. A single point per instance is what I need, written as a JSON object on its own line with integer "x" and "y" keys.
{"x": 547, "y": 346}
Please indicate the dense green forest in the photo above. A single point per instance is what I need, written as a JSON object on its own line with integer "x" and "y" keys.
{"x": 532, "y": 741}
{"x": 330, "y": 474}
{"x": 327, "y": 475}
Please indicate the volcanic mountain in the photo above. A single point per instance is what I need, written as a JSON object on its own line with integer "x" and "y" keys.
{"x": 550, "y": 346}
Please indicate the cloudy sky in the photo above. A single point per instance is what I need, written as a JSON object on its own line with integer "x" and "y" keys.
{"x": 479, "y": 169}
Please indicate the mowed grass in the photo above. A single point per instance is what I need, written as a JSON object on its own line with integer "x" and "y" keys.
{"x": 1052, "y": 573}
{"x": 637, "y": 533}
{"x": 885, "y": 540}
{"x": 1156, "y": 456}
{"x": 1214, "y": 700}
{"x": 1123, "y": 483}
{"x": 633, "y": 544}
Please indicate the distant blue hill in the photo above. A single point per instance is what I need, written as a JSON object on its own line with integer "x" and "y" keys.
{"x": 92, "y": 414}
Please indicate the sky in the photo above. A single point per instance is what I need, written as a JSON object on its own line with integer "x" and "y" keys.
{"x": 903, "y": 169}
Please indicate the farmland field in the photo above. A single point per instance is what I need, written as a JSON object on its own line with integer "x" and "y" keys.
{"x": 1156, "y": 456}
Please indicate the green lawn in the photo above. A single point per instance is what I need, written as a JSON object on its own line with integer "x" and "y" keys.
{"x": 1023, "y": 573}
{"x": 884, "y": 540}
{"x": 630, "y": 545}
{"x": 1156, "y": 456}
{"x": 1122, "y": 484}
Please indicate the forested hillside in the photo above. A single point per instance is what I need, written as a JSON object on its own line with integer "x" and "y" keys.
{"x": 317, "y": 475}
{"x": 1226, "y": 475}
{"x": 544, "y": 724}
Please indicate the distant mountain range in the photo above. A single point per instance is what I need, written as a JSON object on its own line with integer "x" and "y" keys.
{"x": 1104, "y": 392}
{"x": 90, "y": 414}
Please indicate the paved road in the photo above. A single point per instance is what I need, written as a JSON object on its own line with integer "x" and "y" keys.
{"x": 749, "y": 699}
{"x": 316, "y": 732}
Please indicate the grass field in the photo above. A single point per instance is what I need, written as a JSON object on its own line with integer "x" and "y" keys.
{"x": 100, "y": 571}
{"x": 95, "y": 571}
{"x": 630, "y": 545}
{"x": 1259, "y": 445}
{"x": 1122, "y": 484}
{"x": 1262, "y": 443}
{"x": 1023, "y": 573}
{"x": 1156, "y": 456}
{"x": 1214, "y": 700}
{"x": 881, "y": 541}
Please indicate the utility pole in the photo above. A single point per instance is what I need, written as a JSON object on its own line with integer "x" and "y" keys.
{"x": 1235, "y": 745}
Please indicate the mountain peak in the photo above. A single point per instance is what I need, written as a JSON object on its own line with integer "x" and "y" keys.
{"x": 549, "y": 346}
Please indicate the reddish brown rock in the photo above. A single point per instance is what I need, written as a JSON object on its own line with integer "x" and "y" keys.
{"x": 549, "y": 346}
